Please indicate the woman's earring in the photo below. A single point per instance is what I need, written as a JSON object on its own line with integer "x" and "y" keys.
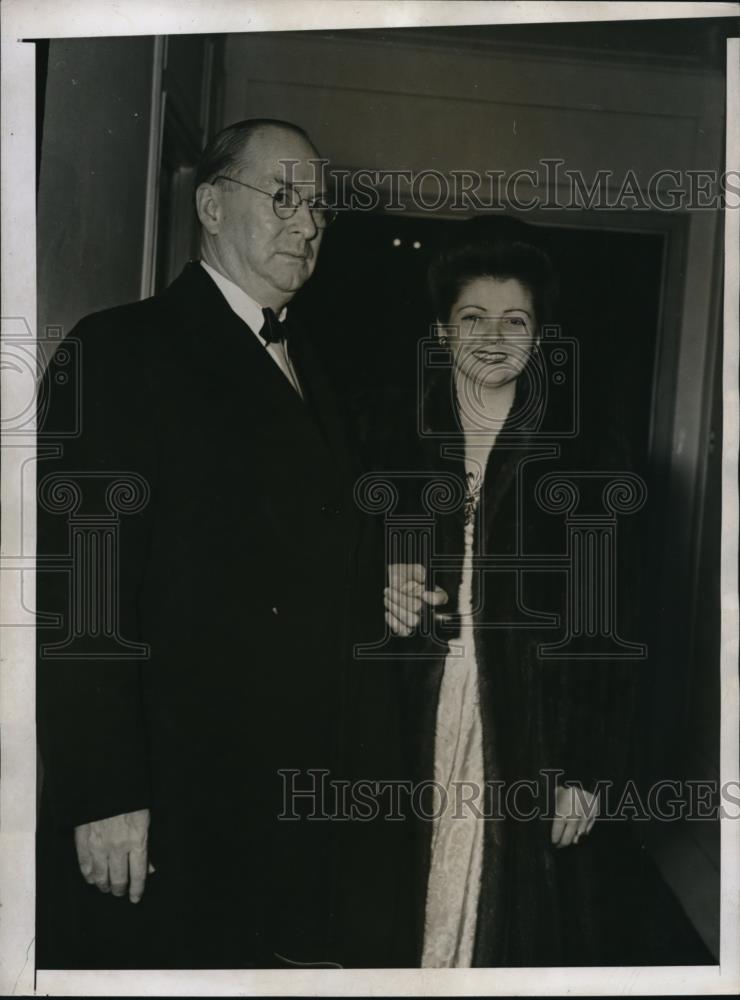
{"x": 441, "y": 331}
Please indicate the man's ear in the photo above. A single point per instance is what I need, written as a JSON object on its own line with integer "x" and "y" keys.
{"x": 208, "y": 207}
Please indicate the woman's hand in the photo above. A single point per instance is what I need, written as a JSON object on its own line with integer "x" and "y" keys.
{"x": 404, "y": 596}
{"x": 575, "y": 814}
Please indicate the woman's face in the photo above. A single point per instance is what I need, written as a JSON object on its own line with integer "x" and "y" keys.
{"x": 491, "y": 330}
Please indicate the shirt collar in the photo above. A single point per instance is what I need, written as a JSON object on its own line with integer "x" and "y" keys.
{"x": 242, "y": 304}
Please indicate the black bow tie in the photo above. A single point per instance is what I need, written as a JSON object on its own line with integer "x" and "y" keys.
{"x": 273, "y": 331}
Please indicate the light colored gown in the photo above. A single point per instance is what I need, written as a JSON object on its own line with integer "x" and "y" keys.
{"x": 457, "y": 840}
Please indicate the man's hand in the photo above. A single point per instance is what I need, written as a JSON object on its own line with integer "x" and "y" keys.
{"x": 404, "y": 596}
{"x": 575, "y": 813}
{"x": 112, "y": 853}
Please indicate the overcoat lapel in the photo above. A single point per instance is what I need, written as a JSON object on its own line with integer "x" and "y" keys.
{"x": 254, "y": 417}
{"x": 318, "y": 395}
{"x": 223, "y": 346}
{"x": 220, "y": 342}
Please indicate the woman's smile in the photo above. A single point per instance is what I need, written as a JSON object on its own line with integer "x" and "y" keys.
{"x": 490, "y": 356}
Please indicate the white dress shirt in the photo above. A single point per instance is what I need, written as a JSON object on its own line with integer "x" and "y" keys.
{"x": 251, "y": 313}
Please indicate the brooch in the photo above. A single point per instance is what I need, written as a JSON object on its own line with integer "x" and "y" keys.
{"x": 472, "y": 495}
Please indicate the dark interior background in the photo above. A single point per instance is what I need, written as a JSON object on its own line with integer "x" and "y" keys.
{"x": 368, "y": 307}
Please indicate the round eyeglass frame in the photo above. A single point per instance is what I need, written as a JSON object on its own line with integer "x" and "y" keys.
{"x": 322, "y": 215}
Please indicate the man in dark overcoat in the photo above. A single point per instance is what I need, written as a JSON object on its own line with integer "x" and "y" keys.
{"x": 200, "y": 569}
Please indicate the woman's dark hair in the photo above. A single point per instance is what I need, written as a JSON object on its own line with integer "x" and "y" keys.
{"x": 494, "y": 247}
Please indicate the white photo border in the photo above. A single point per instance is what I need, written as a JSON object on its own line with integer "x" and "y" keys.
{"x": 23, "y": 20}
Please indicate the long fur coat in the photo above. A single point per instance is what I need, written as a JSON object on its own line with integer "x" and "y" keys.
{"x": 540, "y": 712}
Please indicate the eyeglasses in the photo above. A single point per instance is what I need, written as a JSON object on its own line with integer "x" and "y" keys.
{"x": 287, "y": 201}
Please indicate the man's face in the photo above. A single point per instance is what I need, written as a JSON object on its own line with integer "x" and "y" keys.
{"x": 269, "y": 257}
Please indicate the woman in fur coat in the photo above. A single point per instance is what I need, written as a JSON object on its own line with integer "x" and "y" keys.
{"x": 518, "y": 680}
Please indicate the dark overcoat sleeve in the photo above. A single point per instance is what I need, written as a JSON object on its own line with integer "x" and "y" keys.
{"x": 96, "y": 466}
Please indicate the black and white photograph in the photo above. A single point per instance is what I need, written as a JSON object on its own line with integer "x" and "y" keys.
{"x": 369, "y": 580}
